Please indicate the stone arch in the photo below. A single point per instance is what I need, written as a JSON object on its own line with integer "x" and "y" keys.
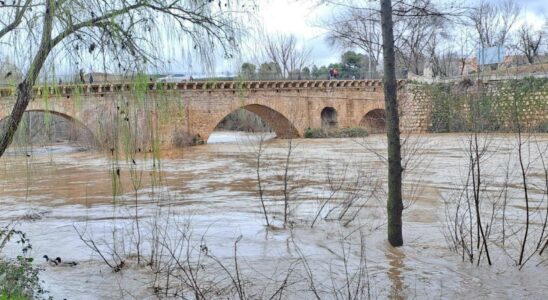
{"x": 374, "y": 121}
{"x": 279, "y": 123}
{"x": 329, "y": 117}
{"x": 65, "y": 116}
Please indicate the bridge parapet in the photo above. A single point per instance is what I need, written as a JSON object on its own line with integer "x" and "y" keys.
{"x": 66, "y": 90}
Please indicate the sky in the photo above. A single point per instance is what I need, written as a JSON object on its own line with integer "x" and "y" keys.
{"x": 302, "y": 18}
{"x": 289, "y": 17}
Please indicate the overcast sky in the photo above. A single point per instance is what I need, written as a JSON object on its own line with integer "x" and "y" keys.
{"x": 298, "y": 17}
{"x": 303, "y": 17}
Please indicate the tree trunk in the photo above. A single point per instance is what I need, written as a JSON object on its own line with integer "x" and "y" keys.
{"x": 8, "y": 129}
{"x": 394, "y": 203}
{"x": 24, "y": 89}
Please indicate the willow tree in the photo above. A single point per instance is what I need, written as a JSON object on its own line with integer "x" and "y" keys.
{"x": 125, "y": 31}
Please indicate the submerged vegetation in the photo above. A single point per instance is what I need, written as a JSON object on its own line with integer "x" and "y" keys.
{"x": 353, "y": 132}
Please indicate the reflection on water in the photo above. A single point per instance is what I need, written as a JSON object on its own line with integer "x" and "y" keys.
{"x": 213, "y": 187}
{"x": 396, "y": 260}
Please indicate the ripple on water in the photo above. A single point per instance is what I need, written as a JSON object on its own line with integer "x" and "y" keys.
{"x": 213, "y": 187}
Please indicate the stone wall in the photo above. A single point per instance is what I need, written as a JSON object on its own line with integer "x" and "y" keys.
{"x": 494, "y": 105}
{"x": 152, "y": 115}
{"x": 415, "y": 108}
{"x": 148, "y": 115}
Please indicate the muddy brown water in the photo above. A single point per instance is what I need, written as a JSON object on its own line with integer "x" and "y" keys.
{"x": 213, "y": 188}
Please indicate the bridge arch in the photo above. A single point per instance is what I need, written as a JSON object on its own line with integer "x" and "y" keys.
{"x": 277, "y": 121}
{"x": 329, "y": 117}
{"x": 374, "y": 121}
{"x": 78, "y": 124}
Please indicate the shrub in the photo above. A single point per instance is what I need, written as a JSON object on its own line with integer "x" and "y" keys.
{"x": 542, "y": 127}
{"x": 18, "y": 277}
{"x": 185, "y": 139}
{"x": 353, "y": 132}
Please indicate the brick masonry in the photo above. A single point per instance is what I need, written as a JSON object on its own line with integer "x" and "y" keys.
{"x": 160, "y": 112}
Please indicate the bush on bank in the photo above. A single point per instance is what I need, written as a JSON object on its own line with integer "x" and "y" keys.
{"x": 353, "y": 132}
{"x": 18, "y": 277}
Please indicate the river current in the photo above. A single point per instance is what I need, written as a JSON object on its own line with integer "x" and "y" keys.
{"x": 209, "y": 196}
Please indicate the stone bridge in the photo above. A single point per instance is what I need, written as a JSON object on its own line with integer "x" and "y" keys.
{"x": 167, "y": 111}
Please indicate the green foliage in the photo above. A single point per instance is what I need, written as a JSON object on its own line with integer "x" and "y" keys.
{"x": 354, "y": 65}
{"x": 446, "y": 114}
{"x": 18, "y": 277}
{"x": 483, "y": 114}
{"x": 305, "y": 73}
{"x": 352, "y": 132}
{"x": 269, "y": 71}
{"x": 77, "y": 96}
{"x": 542, "y": 127}
{"x": 455, "y": 108}
{"x": 247, "y": 71}
{"x": 320, "y": 73}
{"x": 141, "y": 83}
{"x": 240, "y": 89}
{"x": 351, "y": 65}
{"x": 525, "y": 95}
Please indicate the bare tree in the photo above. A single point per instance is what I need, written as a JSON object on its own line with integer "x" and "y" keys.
{"x": 357, "y": 28}
{"x": 493, "y": 22}
{"x": 413, "y": 36}
{"x": 402, "y": 9}
{"x": 416, "y": 24}
{"x": 529, "y": 42}
{"x": 286, "y": 54}
{"x": 259, "y": 153}
{"x": 464, "y": 49}
{"x": 125, "y": 30}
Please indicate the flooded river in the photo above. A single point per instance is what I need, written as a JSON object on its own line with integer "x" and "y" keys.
{"x": 184, "y": 213}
